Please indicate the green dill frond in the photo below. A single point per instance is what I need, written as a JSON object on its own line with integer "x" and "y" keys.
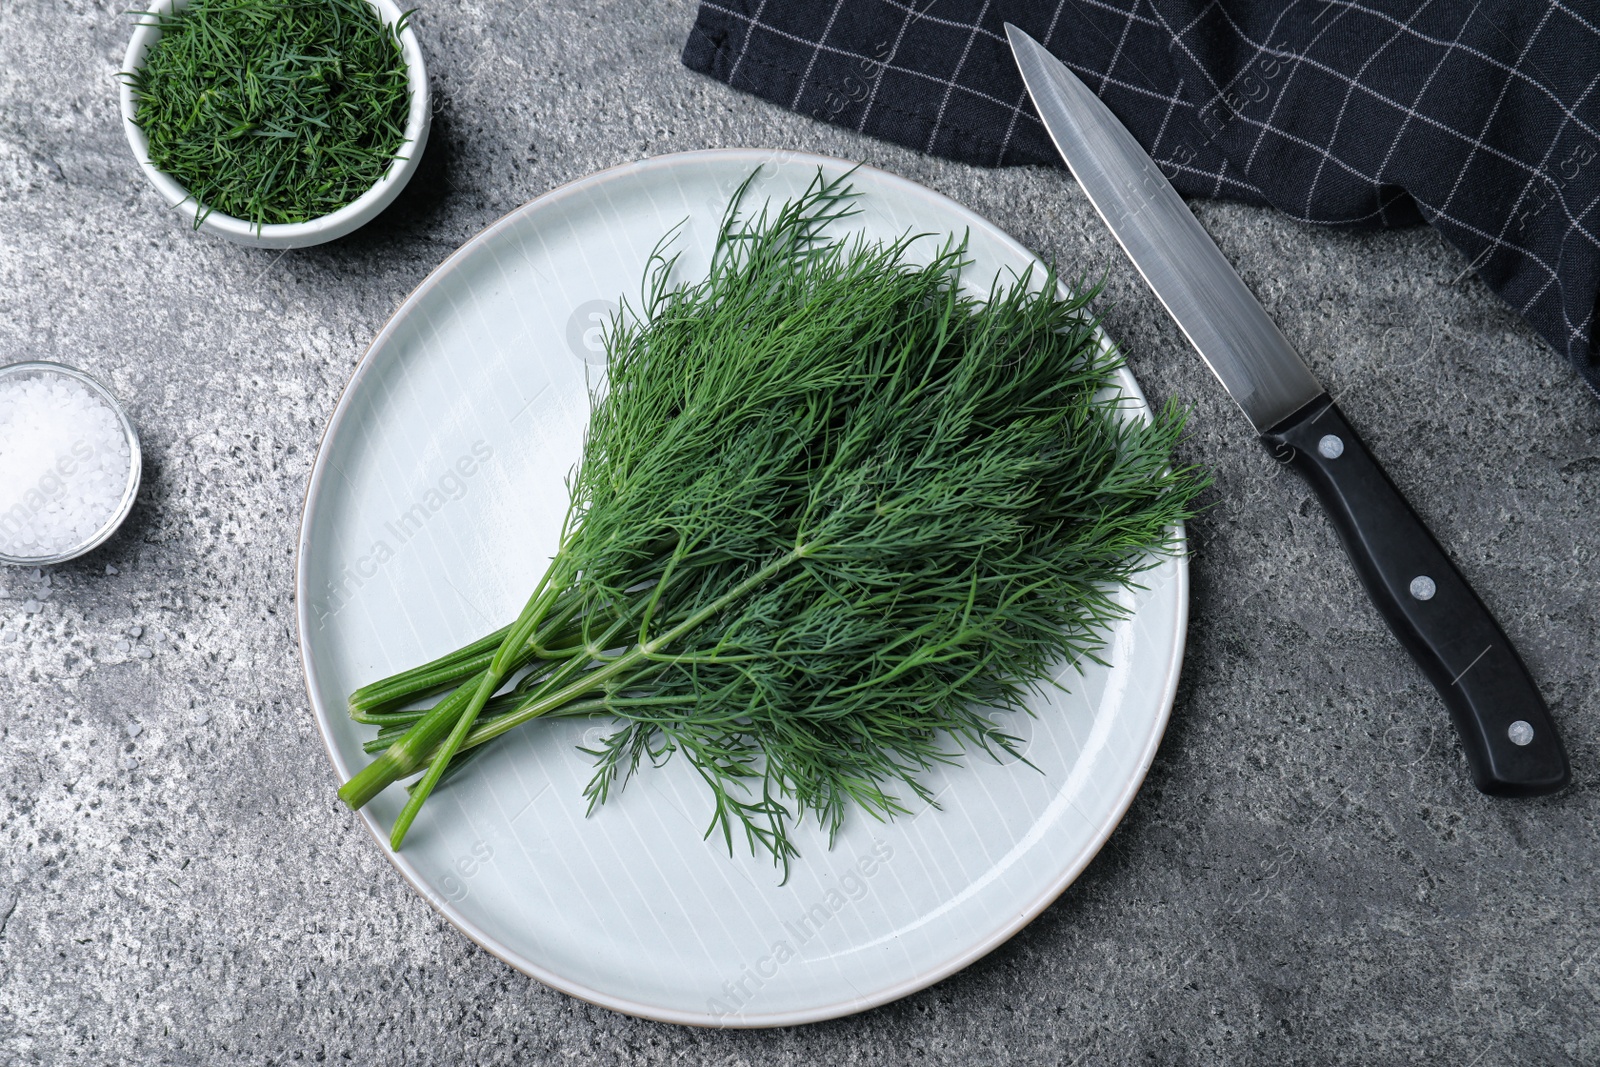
{"x": 832, "y": 511}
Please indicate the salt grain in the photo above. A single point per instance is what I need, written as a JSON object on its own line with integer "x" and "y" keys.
{"x": 64, "y": 465}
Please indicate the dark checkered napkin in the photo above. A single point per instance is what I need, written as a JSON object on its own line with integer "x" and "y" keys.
{"x": 1482, "y": 120}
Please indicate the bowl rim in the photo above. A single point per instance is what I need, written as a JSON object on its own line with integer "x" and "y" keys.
{"x": 325, "y": 227}
{"x": 135, "y": 461}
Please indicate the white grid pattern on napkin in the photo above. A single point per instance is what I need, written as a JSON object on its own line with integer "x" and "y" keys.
{"x": 905, "y": 100}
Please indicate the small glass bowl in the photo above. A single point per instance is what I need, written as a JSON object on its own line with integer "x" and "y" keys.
{"x": 42, "y": 368}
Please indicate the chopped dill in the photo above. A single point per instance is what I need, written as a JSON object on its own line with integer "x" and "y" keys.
{"x": 273, "y": 111}
{"x": 831, "y": 512}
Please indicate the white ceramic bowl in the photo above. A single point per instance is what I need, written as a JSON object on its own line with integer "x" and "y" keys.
{"x": 353, "y": 215}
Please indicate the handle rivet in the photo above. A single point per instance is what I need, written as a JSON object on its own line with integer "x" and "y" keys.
{"x": 1520, "y": 732}
{"x": 1422, "y": 587}
{"x": 1330, "y": 447}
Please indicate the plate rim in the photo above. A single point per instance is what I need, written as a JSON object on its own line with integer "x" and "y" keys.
{"x": 657, "y": 1013}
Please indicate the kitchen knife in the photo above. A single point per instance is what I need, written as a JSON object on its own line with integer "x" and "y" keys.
{"x": 1510, "y": 740}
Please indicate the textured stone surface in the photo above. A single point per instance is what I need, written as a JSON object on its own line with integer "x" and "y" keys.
{"x": 1307, "y": 875}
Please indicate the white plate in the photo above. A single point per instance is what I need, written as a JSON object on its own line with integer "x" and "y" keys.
{"x": 433, "y": 507}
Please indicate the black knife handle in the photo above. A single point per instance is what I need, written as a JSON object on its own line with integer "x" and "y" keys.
{"x": 1506, "y": 730}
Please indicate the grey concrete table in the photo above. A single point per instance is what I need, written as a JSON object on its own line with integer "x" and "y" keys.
{"x": 1307, "y": 875}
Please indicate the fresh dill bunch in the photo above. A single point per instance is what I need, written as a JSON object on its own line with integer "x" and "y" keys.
{"x": 831, "y": 513}
{"x": 273, "y": 111}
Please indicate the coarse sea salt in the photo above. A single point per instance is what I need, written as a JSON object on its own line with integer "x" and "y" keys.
{"x": 64, "y": 464}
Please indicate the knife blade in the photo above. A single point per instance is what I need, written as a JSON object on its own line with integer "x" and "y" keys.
{"x": 1507, "y": 733}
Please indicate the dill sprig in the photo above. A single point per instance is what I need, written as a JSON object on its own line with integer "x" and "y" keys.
{"x": 831, "y": 513}
{"x": 273, "y": 111}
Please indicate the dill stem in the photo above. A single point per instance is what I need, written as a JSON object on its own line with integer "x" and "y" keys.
{"x": 539, "y": 705}
{"x": 488, "y": 683}
{"x": 408, "y": 754}
{"x": 374, "y": 704}
{"x": 481, "y": 732}
{"x": 512, "y": 647}
{"x": 426, "y": 726}
{"x": 394, "y": 724}
{"x": 431, "y": 676}
{"x": 402, "y": 758}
